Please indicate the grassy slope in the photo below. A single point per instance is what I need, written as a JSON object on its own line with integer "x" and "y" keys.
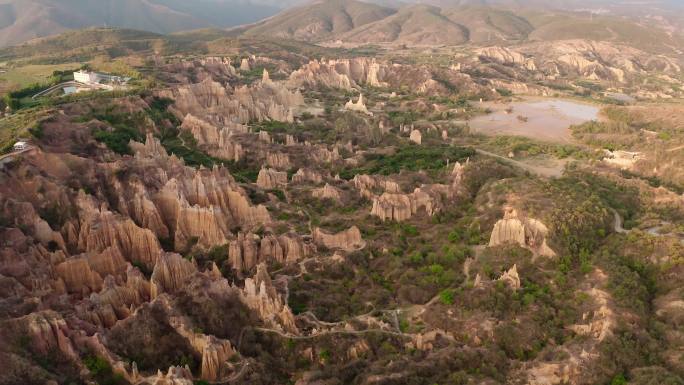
{"x": 31, "y": 74}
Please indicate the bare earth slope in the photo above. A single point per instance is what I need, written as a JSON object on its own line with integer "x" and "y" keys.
{"x": 321, "y": 20}
{"x": 418, "y": 25}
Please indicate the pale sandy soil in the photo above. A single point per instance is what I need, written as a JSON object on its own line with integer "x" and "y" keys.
{"x": 547, "y": 119}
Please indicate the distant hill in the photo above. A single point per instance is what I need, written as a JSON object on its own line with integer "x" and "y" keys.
{"x": 467, "y": 21}
{"x": 415, "y": 25}
{"x": 397, "y": 22}
{"x": 321, "y": 20}
{"x": 22, "y": 20}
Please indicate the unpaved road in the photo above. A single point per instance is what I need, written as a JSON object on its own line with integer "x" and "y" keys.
{"x": 553, "y": 170}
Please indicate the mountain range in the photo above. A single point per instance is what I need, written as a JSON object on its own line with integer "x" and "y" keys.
{"x": 410, "y": 22}
{"x": 355, "y": 23}
{"x": 22, "y": 20}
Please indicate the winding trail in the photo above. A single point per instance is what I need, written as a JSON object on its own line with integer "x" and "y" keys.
{"x": 618, "y": 223}
{"x": 545, "y": 172}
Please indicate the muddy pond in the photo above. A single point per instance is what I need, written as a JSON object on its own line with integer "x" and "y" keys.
{"x": 541, "y": 119}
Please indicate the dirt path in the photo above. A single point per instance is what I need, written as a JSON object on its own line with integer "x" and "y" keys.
{"x": 617, "y": 224}
{"x": 542, "y": 171}
{"x": 675, "y": 149}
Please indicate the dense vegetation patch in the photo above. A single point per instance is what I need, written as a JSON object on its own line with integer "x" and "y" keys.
{"x": 410, "y": 158}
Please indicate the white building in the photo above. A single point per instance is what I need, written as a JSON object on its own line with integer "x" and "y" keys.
{"x": 20, "y": 146}
{"x": 86, "y": 77}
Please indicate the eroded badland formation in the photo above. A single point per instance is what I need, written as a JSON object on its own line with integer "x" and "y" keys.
{"x": 258, "y": 213}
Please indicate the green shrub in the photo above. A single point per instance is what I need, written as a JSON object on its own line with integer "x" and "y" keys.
{"x": 504, "y": 92}
{"x": 118, "y": 139}
{"x": 410, "y": 158}
{"x": 447, "y": 297}
{"x": 102, "y": 371}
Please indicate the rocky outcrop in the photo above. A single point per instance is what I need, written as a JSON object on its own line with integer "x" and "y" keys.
{"x": 348, "y": 240}
{"x": 248, "y": 250}
{"x": 176, "y": 375}
{"x": 48, "y": 332}
{"x": 170, "y": 273}
{"x": 84, "y": 274}
{"x": 216, "y": 353}
{"x": 219, "y": 105}
{"x": 401, "y": 207}
{"x": 116, "y": 302}
{"x": 215, "y": 357}
{"x": 270, "y": 179}
{"x": 359, "y": 106}
{"x": 261, "y": 296}
{"x": 202, "y": 207}
{"x": 504, "y": 55}
{"x": 244, "y": 65}
{"x": 100, "y": 230}
{"x": 244, "y": 252}
{"x": 152, "y": 148}
{"x": 24, "y": 215}
{"x": 290, "y": 140}
{"x": 217, "y": 142}
{"x": 265, "y": 76}
{"x": 354, "y": 73}
{"x": 624, "y": 160}
{"x": 278, "y": 160}
{"x": 328, "y": 192}
{"x": 196, "y": 225}
{"x": 427, "y": 341}
{"x": 602, "y": 319}
{"x": 343, "y": 73}
{"x": 358, "y": 350}
{"x": 294, "y": 248}
{"x": 321, "y": 154}
{"x": 187, "y": 70}
{"x": 457, "y": 175}
{"x": 511, "y": 278}
{"x": 584, "y": 58}
{"x": 395, "y": 207}
{"x": 416, "y": 137}
{"x": 526, "y": 232}
{"x": 264, "y": 136}
{"x": 367, "y": 185}
{"x": 136, "y": 202}
{"x": 307, "y": 175}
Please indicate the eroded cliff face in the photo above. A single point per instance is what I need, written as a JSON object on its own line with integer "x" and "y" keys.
{"x": 102, "y": 256}
{"x": 218, "y": 142}
{"x": 260, "y": 296}
{"x": 170, "y": 273}
{"x": 159, "y": 267}
{"x": 526, "y": 232}
{"x": 328, "y": 192}
{"x": 368, "y": 185}
{"x": 353, "y": 73}
{"x": 249, "y": 250}
{"x": 223, "y": 105}
{"x": 306, "y": 175}
{"x": 186, "y": 70}
{"x": 202, "y": 206}
{"x": 347, "y": 240}
{"x": 593, "y": 60}
{"x": 401, "y": 207}
{"x": 270, "y": 179}
{"x": 99, "y": 229}
{"x": 342, "y": 73}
